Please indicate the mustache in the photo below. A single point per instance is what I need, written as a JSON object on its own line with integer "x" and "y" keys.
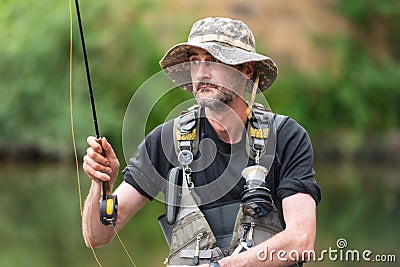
{"x": 205, "y": 84}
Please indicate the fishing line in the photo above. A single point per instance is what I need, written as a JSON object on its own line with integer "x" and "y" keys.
{"x": 123, "y": 246}
{"x": 71, "y": 111}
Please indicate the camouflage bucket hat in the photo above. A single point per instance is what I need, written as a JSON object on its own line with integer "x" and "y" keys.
{"x": 230, "y": 41}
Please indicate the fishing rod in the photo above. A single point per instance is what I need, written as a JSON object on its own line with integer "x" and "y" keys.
{"x": 108, "y": 202}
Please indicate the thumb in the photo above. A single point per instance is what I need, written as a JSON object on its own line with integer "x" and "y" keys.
{"x": 107, "y": 147}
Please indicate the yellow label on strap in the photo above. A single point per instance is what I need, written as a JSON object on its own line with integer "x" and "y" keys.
{"x": 259, "y": 133}
{"x": 186, "y": 137}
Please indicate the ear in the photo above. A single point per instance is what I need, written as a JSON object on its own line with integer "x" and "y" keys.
{"x": 248, "y": 69}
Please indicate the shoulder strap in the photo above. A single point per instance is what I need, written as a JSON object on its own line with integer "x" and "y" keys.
{"x": 259, "y": 132}
{"x": 278, "y": 120}
{"x": 186, "y": 137}
{"x": 186, "y": 130}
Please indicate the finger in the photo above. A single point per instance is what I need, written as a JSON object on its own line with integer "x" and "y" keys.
{"x": 96, "y": 166}
{"x": 97, "y": 157}
{"x": 92, "y": 142}
{"x": 109, "y": 151}
{"x": 93, "y": 174}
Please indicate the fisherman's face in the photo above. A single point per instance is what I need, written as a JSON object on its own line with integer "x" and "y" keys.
{"x": 215, "y": 84}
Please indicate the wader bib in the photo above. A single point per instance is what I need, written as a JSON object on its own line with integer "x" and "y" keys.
{"x": 187, "y": 231}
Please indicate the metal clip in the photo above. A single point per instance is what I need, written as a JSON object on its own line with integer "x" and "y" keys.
{"x": 250, "y": 241}
{"x": 257, "y": 157}
{"x": 186, "y": 173}
{"x": 197, "y": 251}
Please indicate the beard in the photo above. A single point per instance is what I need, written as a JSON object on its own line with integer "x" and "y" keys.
{"x": 221, "y": 97}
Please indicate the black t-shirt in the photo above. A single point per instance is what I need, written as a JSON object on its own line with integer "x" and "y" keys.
{"x": 216, "y": 171}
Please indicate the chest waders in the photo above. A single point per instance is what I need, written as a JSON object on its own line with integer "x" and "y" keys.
{"x": 187, "y": 231}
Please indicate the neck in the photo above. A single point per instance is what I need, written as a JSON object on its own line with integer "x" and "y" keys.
{"x": 229, "y": 123}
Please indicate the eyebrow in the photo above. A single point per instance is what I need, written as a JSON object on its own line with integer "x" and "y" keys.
{"x": 191, "y": 53}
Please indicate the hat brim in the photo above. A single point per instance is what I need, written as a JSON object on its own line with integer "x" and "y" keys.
{"x": 264, "y": 67}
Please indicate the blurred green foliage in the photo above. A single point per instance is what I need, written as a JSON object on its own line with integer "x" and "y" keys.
{"x": 357, "y": 93}
{"x": 32, "y": 67}
{"x": 360, "y": 91}
{"x": 34, "y": 109}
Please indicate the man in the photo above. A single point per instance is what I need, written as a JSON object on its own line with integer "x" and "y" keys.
{"x": 223, "y": 66}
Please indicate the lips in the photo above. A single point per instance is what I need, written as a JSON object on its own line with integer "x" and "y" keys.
{"x": 205, "y": 87}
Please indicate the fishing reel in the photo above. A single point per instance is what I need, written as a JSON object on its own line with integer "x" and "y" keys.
{"x": 108, "y": 208}
{"x": 256, "y": 198}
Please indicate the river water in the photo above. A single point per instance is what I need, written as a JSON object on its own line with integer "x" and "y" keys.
{"x": 41, "y": 219}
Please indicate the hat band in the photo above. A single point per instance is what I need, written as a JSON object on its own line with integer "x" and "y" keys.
{"x": 221, "y": 39}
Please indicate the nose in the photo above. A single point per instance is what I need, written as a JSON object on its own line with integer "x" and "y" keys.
{"x": 202, "y": 71}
